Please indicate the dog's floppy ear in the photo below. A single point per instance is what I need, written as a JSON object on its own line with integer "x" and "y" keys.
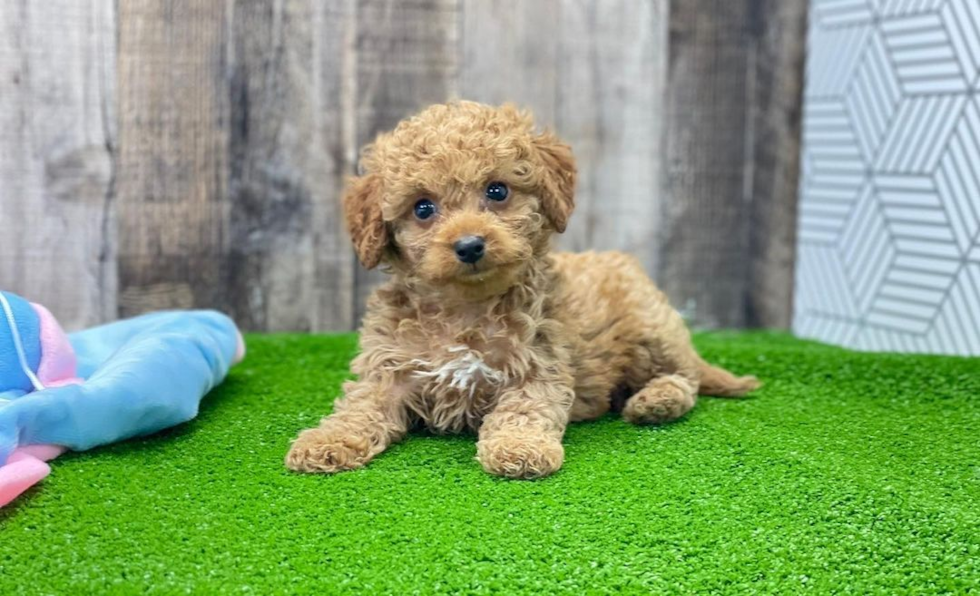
{"x": 362, "y": 213}
{"x": 558, "y": 186}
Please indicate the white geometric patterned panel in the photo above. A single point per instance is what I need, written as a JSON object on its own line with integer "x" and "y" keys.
{"x": 889, "y": 214}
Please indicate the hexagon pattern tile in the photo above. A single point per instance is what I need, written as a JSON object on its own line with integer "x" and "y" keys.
{"x": 889, "y": 218}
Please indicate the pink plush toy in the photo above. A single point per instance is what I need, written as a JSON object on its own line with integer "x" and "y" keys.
{"x": 25, "y": 468}
{"x": 34, "y": 354}
{"x": 141, "y": 375}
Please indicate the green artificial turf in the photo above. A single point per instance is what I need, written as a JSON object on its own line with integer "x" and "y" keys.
{"x": 847, "y": 473}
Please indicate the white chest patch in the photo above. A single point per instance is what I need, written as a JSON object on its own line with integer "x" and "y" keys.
{"x": 464, "y": 373}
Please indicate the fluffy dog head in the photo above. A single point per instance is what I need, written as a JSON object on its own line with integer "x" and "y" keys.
{"x": 460, "y": 197}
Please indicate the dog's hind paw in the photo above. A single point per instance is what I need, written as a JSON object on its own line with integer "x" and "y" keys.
{"x": 663, "y": 400}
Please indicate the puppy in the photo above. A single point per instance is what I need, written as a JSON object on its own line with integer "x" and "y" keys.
{"x": 481, "y": 327}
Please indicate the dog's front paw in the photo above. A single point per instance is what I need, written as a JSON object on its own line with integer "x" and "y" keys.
{"x": 517, "y": 456}
{"x": 320, "y": 451}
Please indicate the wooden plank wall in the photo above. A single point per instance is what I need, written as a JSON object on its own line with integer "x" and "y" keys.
{"x": 57, "y": 144}
{"x": 733, "y": 97}
{"x": 191, "y": 153}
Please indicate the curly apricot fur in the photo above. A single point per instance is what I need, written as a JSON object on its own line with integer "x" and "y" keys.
{"x": 516, "y": 345}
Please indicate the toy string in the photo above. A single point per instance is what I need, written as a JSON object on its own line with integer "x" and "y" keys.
{"x": 18, "y": 345}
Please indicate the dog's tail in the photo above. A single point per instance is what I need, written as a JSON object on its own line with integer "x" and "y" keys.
{"x": 719, "y": 382}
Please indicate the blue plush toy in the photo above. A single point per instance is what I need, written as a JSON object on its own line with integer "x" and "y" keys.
{"x": 94, "y": 387}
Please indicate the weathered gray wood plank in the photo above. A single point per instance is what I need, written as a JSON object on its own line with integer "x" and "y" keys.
{"x": 729, "y": 199}
{"x": 406, "y": 58}
{"x": 610, "y": 108}
{"x": 509, "y": 53}
{"x": 286, "y": 167}
{"x": 57, "y": 137}
{"x": 174, "y": 212}
{"x": 334, "y": 37}
{"x": 704, "y": 266}
{"x": 780, "y": 26}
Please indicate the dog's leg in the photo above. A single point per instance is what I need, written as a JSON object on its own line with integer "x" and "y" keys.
{"x": 675, "y": 368}
{"x": 364, "y": 423}
{"x": 662, "y": 399}
{"x": 521, "y": 437}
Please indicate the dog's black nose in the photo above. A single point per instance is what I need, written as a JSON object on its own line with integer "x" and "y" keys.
{"x": 469, "y": 249}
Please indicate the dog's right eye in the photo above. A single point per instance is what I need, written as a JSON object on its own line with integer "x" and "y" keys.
{"x": 424, "y": 209}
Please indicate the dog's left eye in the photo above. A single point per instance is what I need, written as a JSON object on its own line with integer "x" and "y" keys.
{"x": 424, "y": 209}
{"x": 496, "y": 191}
